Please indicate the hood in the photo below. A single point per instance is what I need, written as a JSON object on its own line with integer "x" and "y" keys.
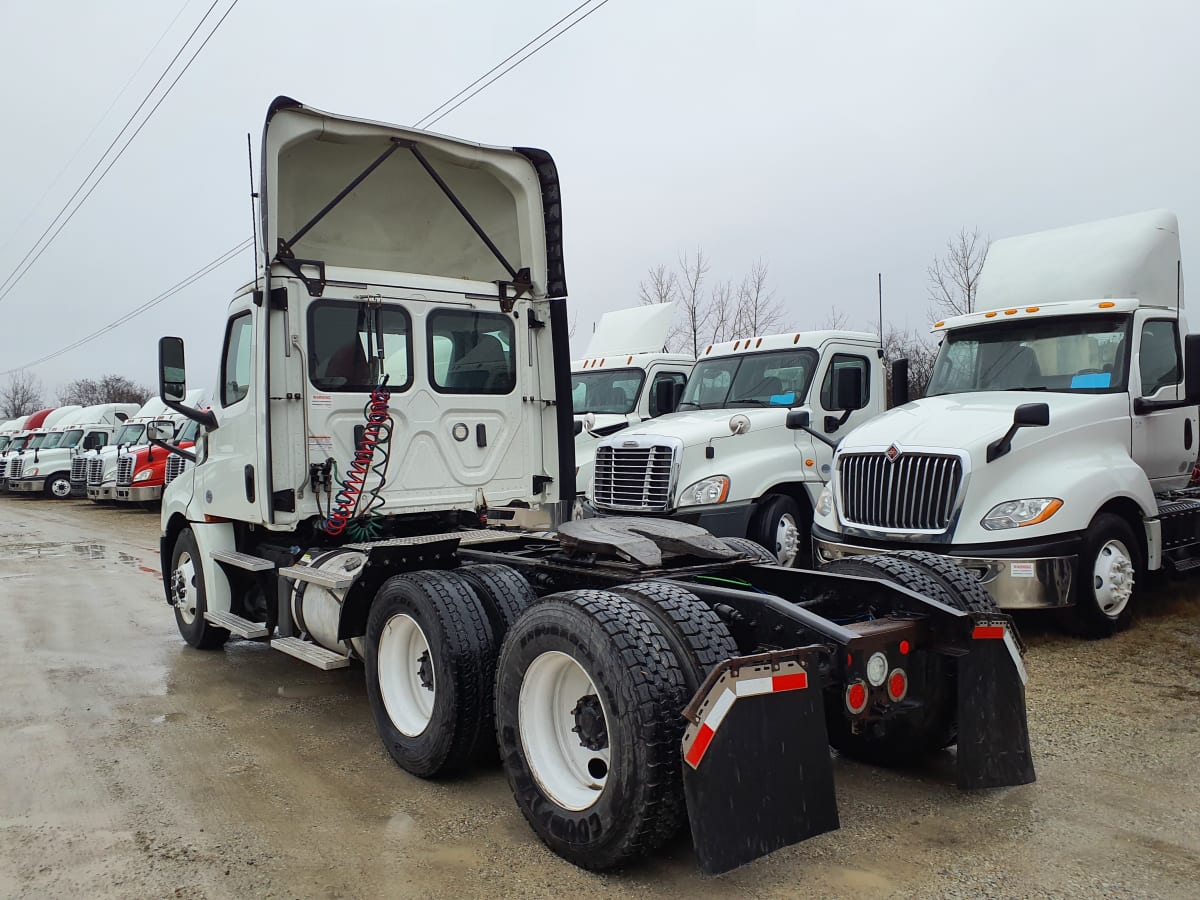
{"x": 643, "y": 329}
{"x": 384, "y": 191}
{"x": 702, "y": 425}
{"x": 972, "y": 421}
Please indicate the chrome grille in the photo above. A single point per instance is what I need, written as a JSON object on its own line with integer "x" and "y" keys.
{"x": 175, "y": 466}
{"x": 3, "y": 466}
{"x": 79, "y": 468}
{"x": 125, "y": 470}
{"x": 16, "y": 467}
{"x": 95, "y": 471}
{"x": 634, "y": 478}
{"x": 915, "y": 491}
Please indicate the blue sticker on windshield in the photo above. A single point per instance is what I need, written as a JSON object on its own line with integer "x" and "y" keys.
{"x": 783, "y": 399}
{"x": 1092, "y": 380}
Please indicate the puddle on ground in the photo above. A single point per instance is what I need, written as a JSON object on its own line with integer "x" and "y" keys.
{"x": 91, "y": 551}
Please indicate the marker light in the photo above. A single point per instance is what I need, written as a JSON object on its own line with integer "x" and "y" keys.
{"x": 856, "y": 697}
{"x": 877, "y": 667}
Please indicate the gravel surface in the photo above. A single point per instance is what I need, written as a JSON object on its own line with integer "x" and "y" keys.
{"x": 133, "y": 766}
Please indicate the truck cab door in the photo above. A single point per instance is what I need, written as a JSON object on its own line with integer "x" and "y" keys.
{"x": 1164, "y": 441}
{"x": 650, "y": 407}
{"x": 227, "y": 478}
{"x": 842, "y": 399}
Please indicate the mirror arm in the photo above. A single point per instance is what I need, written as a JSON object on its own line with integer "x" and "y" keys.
{"x": 1141, "y": 405}
{"x": 171, "y": 448}
{"x": 204, "y": 416}
{"x": 820, "y": 437}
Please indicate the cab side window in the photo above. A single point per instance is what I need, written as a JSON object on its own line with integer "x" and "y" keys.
{"x": 235, "y": 366}
{"x": 829, "y": 387}
{"x": 677, "y": 380}
{"x": 1159, "y": 355}
{"x": 94, "y": 440}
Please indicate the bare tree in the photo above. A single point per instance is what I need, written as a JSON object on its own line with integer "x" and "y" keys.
{"x": 108, "y": 389}
{"x": 919, "y": 352}
{"x": 758, "y": 312}
{"x": 722, "y": 313}
{"x": 21, "y": 396}
{"x": 691, "y": 292}
{"x": 662, "y": 286}
{"x": 835, "y": 320}
{"x": 954, "y": 277}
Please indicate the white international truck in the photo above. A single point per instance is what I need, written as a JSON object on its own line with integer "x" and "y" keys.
{"x": 748, "y": 451}
{"x": 624, "y": 378}
{"x": 399, "y": 370}
{"x": 1052, "y": 453}
{"x": 47, "y": 469}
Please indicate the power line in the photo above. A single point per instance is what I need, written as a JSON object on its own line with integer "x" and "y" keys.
{"x": 448, "y": 101}
{"x": 533, "y": 52}
{"x": 95, "y": 126}
{"x": 212, "y": 266}
{"x": 23, "y": 267}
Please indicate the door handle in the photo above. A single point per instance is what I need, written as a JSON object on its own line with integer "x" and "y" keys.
{"x": 481, "y": 435}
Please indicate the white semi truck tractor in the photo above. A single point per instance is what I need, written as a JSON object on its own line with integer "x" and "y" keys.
{"x": 749, "y": 449}
{"x": 399, "y": 371}
{"x": 47, "y": 470}
{"x": 624, "y": 378}
{"x": 1052, "y": 453}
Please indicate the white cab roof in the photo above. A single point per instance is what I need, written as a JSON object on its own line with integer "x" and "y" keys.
{"x": 813, "y": 339}
{"x": 1133, "y": 256}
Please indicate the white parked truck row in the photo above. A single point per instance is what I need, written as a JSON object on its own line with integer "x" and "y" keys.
{"x": 1052, "y": 454}
{"x": 397, "y": 374}
{"x": 46, "y": 468}
{"x": 741, "y": 456}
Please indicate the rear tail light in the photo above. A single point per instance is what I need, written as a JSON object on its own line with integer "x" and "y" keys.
{"x": 897, "y": 684}
{"x": 856, "y": 697}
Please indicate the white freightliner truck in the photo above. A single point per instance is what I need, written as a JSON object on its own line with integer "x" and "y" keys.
{"x": 42, "y": 431}
{"x": 624, "y": 378}
{"x": 99, "y": 469}
{"x": 47, "y": 470}
{"x": 749, "y": 449}
{"x": 1052, "y": 453}
{"x": 398, "y": 370}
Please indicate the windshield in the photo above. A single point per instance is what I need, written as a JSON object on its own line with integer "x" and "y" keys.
{"x": 130, "y": 434}
{"x": 71, "y": 438}
{"x": 613, "y": 391}
{"x": 52, "y": 440}
{"x": 4, "y": 442}
{"x": 1079, "y": 354}
{"x": 189, "y": 432}
{"x": 36, "y": 441}
{"x": 775, "y": 378}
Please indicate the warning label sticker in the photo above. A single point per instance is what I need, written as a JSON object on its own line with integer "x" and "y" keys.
{"x": 320, "y": 445}
{"x": 1022, "y": 570}
{"x": 320, "y": 400}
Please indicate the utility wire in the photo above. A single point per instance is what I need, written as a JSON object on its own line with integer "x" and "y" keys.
{"x": 245, "y": 244}
{"x": 95, "y": 126}
{"x": 26, "y": 263}
{"x": 212, "y": 266}
{"x": 497, "y": 77}
{"x": 448, "y": 101}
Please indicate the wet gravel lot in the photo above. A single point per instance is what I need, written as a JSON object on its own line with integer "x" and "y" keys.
{"x": 133, "y": 766}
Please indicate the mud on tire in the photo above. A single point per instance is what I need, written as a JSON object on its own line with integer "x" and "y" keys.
{"x": 430, "y": 665}
{"x": 594, "y": 812}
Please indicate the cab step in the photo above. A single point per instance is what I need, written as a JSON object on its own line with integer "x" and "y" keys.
{"x": 311, "y": 653}
{"x": 1186, "y": 565}
{"x": 242, "y": 560}
{"x": 235, "y": 624}
{"x": 333, "y": 581}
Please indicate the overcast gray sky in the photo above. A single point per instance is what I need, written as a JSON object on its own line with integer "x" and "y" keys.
{"x": 831, "y": 140}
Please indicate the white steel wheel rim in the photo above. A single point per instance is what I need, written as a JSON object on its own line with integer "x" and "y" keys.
{"x": 184, "y": 585}
{"x": 60, "y": 487}
{"x": 1112, "y": 578}
{"x": 403, "y": 653}
{"x": 787, "y": 539}
{"x": 571, "y": 774}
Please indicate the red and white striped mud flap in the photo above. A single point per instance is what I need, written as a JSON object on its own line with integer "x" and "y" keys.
{"x": 757, "y": 771}
{"x": 993, "y": 733}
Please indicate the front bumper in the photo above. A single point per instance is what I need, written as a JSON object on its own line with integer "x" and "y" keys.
{"x": 102, "y": 492}
{"x": 27, "y": 485}
{"x": 138, "y": 494}
{"x": 1033, "y": 582}
{"x": 78, "y": 488}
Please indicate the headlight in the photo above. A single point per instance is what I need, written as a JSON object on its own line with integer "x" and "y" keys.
{"x": 825, "y": 501}
{"x": 709, "y": 490}
{"x": 143, "y": 475}
{"x": 1019, "y": 513}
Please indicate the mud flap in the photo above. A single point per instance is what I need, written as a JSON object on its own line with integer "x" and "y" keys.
{"x": 993, "y": 734}
{"x": 757, "y": 772}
